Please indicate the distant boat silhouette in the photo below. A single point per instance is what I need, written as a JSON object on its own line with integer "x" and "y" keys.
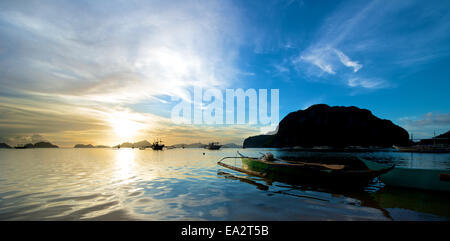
{"x": 157, "y": 145}
{"x": 213, "y": 146}
{"x": 437, "y": 148}
{"x": 24, "y": 146}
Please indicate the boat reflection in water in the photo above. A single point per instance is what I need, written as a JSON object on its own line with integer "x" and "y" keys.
{"x": 342, "y": 173}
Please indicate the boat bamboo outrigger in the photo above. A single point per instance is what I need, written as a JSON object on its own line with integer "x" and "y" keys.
{"x": 289, "y": 171}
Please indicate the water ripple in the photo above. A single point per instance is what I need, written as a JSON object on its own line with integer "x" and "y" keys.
{"x": 184, "y": 184}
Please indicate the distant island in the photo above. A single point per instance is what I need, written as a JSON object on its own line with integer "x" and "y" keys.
{"x": 231, "y": 145}
{"x": 138, "y": 144}
{"x": 44, "y": 144}
{"x": 146, "y": 144}
{"x": 41, "y": 144}
{"x": 192, "y": 145}
{"x": 4, "y": 145}
{"x": 201, "y": 145}
{"x": 89, "y": 146}
{"x": 337, "y": 126}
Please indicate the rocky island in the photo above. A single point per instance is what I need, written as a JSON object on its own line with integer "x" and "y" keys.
{"x": 89, "y": 146}
{"x": 337, "y": 126}
{"x": 44, "y": 144}
{"x": 4, "y": 145}
{"x": 83, "y": 146}
{"x": 201, "y": 145}
{"x": 41, "y": 144}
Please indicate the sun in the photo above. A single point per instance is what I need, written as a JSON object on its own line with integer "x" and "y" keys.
{"x": 125, "y": 124}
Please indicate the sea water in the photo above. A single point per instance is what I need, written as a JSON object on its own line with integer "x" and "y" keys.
{"x": 187, "y": 184}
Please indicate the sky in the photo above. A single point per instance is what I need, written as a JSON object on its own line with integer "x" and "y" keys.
{"x": 106, "y": 72}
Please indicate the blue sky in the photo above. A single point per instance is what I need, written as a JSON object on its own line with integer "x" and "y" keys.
{"x": 386, "y": 56}
{"x": 73, "y": 71}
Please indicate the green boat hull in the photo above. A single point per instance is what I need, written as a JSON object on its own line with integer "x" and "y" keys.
{"x": 311, "y": 175}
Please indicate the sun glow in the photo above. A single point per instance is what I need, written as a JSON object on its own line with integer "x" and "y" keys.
{"x": 125, "y": 124}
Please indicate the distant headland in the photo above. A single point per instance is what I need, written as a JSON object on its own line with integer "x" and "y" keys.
{"x": 41, "y": 144}
{"x": 4, "y": 145}
{"x": 145, "y": 143}
{"x": 89, "y": 146}
{"x": 337, "y": 126}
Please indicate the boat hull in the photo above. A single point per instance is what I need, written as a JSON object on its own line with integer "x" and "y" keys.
{"x": 310, "y": 174}
{"x": 423, "y": 149}
{"x": 213, "y": 147}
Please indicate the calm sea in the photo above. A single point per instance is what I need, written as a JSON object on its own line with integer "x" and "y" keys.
{"x": 187, "y": 184}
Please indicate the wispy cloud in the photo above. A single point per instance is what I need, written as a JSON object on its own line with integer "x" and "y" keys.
{"x": 121, "y": 55}
{"x": 425, "y": 126}
{"x": 280, "y": 68}
{"x": 379, "y": 36}
{"x": 75, "y": 65}
{"x": 345, "y": 60}
{"x": 318, "y": 61}
{"x": 327, "y": 59}
{"x": 366, "y": 83}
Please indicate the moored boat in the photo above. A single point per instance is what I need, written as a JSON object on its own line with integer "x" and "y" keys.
{"x": 436, "y": 148}
{"x": 213, "y": 146}
{"x": 157, "y": 145}
{"x": 306, "y": 172}
{"x": 418, "y": 178}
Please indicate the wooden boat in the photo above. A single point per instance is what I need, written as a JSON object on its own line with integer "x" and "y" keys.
{"x": 213, "y": 146}
{"x": 419, "y": 178}
{"x": 436, "y": 148}
{"x": 157, "y": 145}
{"x": 303, "y": 172}
{"x": 24, "y": 146}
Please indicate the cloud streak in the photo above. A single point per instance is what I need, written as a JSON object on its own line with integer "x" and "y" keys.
{"x": 366, "y": 83}
{"x": 378, "y": 35}
{"x": 68, "y": 69}
{"x": 345, "y": 60}
{"x": 121, "y": 55}
{"x": 425, "y": 126}
{"x": 319, "y": 62}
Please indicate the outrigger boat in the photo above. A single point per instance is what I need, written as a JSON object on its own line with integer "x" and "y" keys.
{"x": 305, "y": 172}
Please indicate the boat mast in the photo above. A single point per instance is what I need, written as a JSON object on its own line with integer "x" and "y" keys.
{"x": 434, "y": 138}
